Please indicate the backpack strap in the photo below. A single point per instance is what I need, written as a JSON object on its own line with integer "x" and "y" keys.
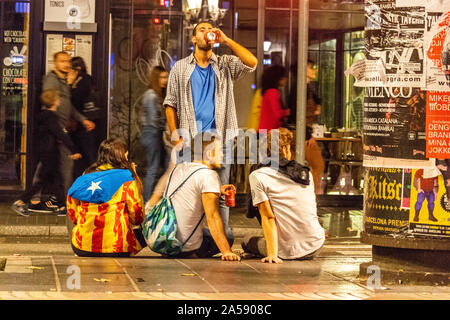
{"x": 181, "y": 184}
{"x": 194, "y": 230}
{"x": 168, "y": 182}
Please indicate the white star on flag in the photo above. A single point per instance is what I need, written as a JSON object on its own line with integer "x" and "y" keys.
{"x": 94, "y": 186}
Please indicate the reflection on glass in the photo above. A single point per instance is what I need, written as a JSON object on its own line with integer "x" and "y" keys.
{"x": 277, "y": 22}
{"x": 13, "y": 97}
{"x": 353, "y": 96}
{"x": 154, "y": 42}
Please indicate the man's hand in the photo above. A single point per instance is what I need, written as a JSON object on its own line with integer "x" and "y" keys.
{"x": 71, "y": 76}
{"x": 230, "y": 256}
{"x": 177, "y": 143}
{"x": 226, "y": 188}
{"x": 89, "y": 125}
{"x": 272, "y": 259}
{"x": 222, "y": 38}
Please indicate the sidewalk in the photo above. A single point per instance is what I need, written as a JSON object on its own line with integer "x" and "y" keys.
{"x": 339, "y": 223}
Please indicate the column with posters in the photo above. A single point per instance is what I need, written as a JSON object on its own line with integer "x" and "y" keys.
{"x": 406, "y": 75}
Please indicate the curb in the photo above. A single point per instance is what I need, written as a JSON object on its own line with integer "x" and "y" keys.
{"x": 59, "y": 231}
{"x": 47, "y": 231}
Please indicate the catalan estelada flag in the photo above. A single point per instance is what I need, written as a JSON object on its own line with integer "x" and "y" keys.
{"x": 104, "y": 206}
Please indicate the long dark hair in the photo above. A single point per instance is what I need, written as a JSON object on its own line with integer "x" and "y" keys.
{"x": 112, "y": 152}
{"x": 154, "y": 82}
{"x": 79, "y": 64}
{"x": 271, "y": 77}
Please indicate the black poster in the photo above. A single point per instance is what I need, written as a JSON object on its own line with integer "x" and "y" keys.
{"x": 383, "y": 194}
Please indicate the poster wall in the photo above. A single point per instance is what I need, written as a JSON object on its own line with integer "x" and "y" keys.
{"x": 394, "y": 45}
{"x": 406, "y": 75}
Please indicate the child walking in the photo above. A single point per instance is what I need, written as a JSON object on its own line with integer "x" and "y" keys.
{"x": 50, "y": 134}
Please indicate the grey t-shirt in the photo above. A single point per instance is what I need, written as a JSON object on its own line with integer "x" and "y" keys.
{"x": 65, "y": 110}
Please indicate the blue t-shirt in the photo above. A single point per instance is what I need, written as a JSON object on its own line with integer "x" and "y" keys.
{"x": 202, "y": 86}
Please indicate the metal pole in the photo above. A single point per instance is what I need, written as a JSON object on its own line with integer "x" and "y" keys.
{"x": 260, "y": 42}
{"x": 303, "y": 22}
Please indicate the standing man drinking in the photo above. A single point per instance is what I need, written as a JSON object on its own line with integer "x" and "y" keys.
{"x": 200, "y": 95}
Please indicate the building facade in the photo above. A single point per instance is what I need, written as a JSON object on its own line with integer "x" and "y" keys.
{"x": 122, "y": 39}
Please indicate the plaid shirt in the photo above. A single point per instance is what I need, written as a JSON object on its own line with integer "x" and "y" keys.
{"x": 227, "y": 68}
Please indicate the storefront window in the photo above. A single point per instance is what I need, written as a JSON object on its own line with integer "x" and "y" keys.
{"x": 14, "y": 28}
{"x": 141, "y": 38}
{"x": 353, "y": 96}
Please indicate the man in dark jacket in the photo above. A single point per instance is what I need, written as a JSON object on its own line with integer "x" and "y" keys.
{"x": 60, "y": 79}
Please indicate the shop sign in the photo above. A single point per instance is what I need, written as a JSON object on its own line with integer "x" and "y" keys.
{"x": 72, "y": 12}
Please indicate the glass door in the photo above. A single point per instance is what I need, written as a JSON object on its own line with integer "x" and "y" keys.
{"x": 14, "y": 39}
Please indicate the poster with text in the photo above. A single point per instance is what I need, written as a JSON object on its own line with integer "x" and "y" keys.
{"x": 437, "y": 50}
{"x": 438, "y": 125}
{"x": 430, "y": 208}
{"x": 394, "y": 128}
{"x": 383, "y": 193}
{"x": 14, "y": 56}
{"x": 394, "y": 45}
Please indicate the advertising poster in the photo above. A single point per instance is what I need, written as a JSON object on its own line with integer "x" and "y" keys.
{"x": 437, "y": 49}
{"x": 394, "y": 127}
{"x": 430, "y": 208}
{"x": 383, "y": 197}
{"x": 74, "y": 45}
{"x": 14, "y": 53}
{"x": 438, "y": 124}
{"x": 394, "y": 45}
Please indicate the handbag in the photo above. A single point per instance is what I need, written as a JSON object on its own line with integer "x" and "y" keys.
{"x": 160, "y": 225}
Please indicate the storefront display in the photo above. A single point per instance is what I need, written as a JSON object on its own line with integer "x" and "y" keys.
{"x": 14, "y": 60}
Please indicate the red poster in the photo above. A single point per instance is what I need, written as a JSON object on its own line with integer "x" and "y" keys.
{"x": 438, "y": 124}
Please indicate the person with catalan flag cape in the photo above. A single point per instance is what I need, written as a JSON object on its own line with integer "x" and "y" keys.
{"x": 106, "y": 205}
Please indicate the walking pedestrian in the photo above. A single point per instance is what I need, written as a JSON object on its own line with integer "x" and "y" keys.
{"x": 84, "y": 100}
{"x": 106, "y": 205}
{"x": 273, "y": 114}
{"x": 61, "y": 79}
{"x": 287, "y": 207}
{"x": 153, "y": 127}
{"x": 200, "y": 94}
{"x": 50, "y": 135}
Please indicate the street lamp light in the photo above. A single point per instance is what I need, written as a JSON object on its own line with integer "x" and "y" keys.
{"x": 197, "y": 11}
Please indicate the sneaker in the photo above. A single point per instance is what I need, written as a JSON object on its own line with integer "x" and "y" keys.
{"x": 52, "y": 203}
{"x": 61, "y": 212}
{"x": 20, "y": 209}
{"x": 40, "y": 207}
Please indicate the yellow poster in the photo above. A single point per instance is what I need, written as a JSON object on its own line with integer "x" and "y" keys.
{"x": 430, "y": 208}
